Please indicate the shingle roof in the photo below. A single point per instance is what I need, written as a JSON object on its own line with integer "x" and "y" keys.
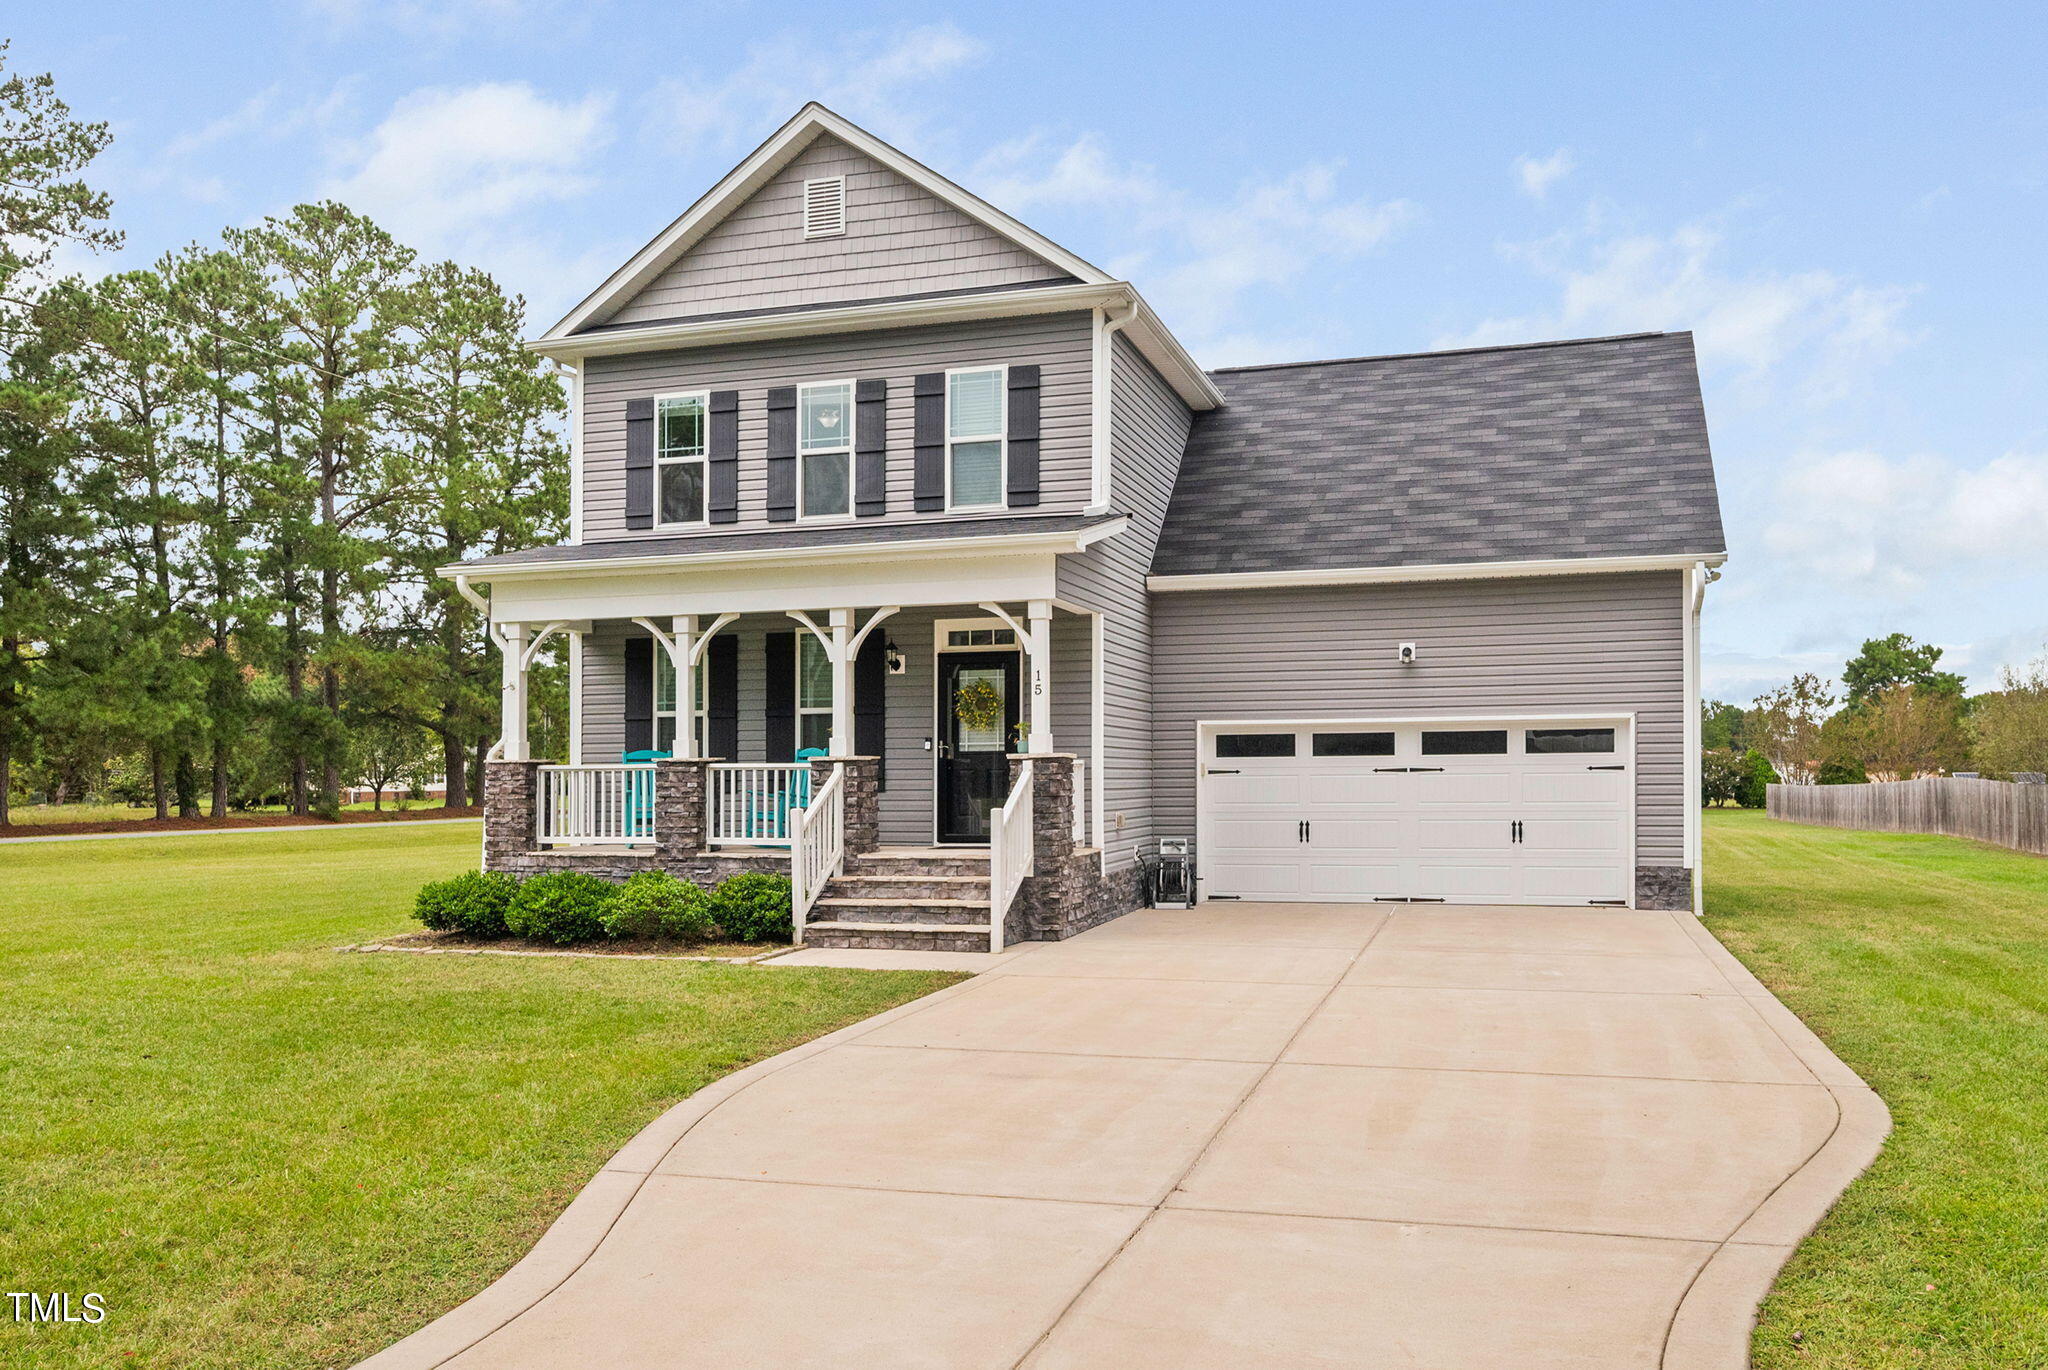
{"x": 1573, "y": 449}
{"x": 784, "y": 537}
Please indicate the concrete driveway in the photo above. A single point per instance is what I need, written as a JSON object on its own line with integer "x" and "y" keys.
{"x": 1243, "y": 1136}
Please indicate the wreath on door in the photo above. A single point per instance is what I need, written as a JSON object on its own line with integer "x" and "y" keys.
{"x": 979, "y": 705}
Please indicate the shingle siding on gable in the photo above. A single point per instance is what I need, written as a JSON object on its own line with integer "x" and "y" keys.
{"x": 1059, "y": 344}
{"x": 898, "y": 240}
{"x": 1586, "y": 449}
{"x": 1148, "y": 431}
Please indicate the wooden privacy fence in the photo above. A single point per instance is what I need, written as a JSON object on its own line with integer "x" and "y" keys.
{"x": 1997, "y": 811}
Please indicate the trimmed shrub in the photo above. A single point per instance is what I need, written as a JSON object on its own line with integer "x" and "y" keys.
{"x": 474, "y": 903}
{"x": 564, "y": 907}
{"x": 656, "y": 904}
{"x": 754, "y": 907}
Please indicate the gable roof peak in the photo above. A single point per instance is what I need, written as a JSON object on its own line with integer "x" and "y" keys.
{"x": 764, "y": 162}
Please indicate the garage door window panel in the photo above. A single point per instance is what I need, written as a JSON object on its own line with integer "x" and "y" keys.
{"x": 1352, "y": 744}
{"x": 1567, "y": 741}
{"x": 1246, "y": 746}
{"x": 1465, "y": 742}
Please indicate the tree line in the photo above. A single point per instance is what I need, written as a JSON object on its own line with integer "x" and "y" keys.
{"x": 1897, "y": 716}
{"x": 226, "y": 482}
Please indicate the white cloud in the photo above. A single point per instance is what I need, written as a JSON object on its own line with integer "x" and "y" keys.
{"x": 449, "y": 162}
{"x": 870, "y": 78}
{"x": 1890, "y": 527}
{"x": 1200, "y": 251}
{"x": 1825, "y": 331}
{"x": 1538, "y": 174}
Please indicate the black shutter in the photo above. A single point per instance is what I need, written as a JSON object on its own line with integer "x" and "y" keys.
{"x": 870, "y": 448}
{"x": 870, "y": 703}
{"x": 782, "y": 454}
{"x": 722, "y": 698}
{"x": 780, "y": 716}
{"x": 639, "y": 694}
{"x": 640, "y": 463}
{"x": 930, "y": 438}
{"x": 722, "y": 447}
{"x": 1023, "y": 436}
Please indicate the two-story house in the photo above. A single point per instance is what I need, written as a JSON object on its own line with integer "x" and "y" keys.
{"x": 912, "y": 554}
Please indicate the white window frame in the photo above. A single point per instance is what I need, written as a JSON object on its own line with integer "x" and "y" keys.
{"x": 702, "y": 459}
{"x": 803, "y": 515}
{"x": 700, "y": 701}
{"x": 1000, "y": 437}
{"x": 807, "y": 640}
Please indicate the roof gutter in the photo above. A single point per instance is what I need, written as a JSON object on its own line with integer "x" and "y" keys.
{"x": 1462, "y": 570}
{"x": 1013, "y": 544}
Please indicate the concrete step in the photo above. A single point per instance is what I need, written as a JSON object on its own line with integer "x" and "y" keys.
{"x": 898, "y": 936}
{"x": 920, "y": 862}
{"x": 908, "y": 886}
{"x": 835, "y": 906}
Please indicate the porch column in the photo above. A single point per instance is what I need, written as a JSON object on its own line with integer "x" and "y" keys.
{"x": 840, "y": 651}
{"x": 681, "y": 645}
{"x": 1040, "y": 649}
{"x": 512, "y": 692}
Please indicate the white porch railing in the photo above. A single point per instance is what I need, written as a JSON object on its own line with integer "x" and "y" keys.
{"x": 595, "y": 805}
{"x": 817, "y": 848}
{"x": 1011, "y": 854}
{"x": 750, "y": 803}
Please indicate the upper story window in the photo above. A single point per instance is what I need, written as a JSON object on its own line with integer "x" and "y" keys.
{"x": 974, "y": 438}
{"x": 679, "y": 457}
{"x": 824, "y": 449}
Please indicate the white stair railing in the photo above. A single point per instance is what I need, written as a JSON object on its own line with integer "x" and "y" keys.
{"x": 750, "y": 802}
{"x": 595, "y": 805}
{"x": 1011, "y": 853}
{"x": 817, "y": 848}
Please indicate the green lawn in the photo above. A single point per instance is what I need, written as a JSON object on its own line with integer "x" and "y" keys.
{"x": 260, "y": 1152}
{"x": 1923, "y": 961}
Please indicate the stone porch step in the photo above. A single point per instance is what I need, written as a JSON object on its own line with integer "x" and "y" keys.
{"x": 920, "y": 861}
{"x": 908, "y": 885}
{"x": 899, "y": 936}
{"x": 840, "y": 908}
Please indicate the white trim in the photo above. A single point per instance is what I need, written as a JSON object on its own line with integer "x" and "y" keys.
{"x": 575, "y": 698}
{"x": 1149, "y": 335}
{"x": 758, "y": 169}
{"x": 573, "y": 371}
{"x": 1102, "y": 405}
{"x": 860, "y": 553}
{"x": 846, "y": 450}
{"x": 942, "y": 627}
{"x": 1001, "y": 438}
{"x": 702, "y": 459}
{"x": 1206, "y": 726}
{"x": 1449, "y": 570}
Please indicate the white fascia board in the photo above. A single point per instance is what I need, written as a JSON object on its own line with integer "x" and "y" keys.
{"x": 1395, "y": 575}
{"x": 1150, "y": 336}
{"x": 756, "y": 170}
{"x": 840, "y": 554}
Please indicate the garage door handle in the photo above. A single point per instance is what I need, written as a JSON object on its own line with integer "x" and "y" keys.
{"x": 1606, "y": 768}
{"x": 1433, "y": 770}
{"x": 1213, "y": 771}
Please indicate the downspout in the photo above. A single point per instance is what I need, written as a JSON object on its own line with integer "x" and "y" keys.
{"x": 573, "y": 375}
{"x": 1099, "y": 449}
{"x": 483, "y": 606}
{"x": 1698, "y": 577}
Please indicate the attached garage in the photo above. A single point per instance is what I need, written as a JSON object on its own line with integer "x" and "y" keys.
{"x": 1532, "y": 810}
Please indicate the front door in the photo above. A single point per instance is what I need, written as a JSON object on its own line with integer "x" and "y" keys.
{"x": 977, "y": 724}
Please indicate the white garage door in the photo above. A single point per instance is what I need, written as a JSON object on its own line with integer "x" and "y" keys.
{"x": 1522, "y": 812}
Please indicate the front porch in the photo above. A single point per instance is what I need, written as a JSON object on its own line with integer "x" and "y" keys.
{"x": 896, "y": 763}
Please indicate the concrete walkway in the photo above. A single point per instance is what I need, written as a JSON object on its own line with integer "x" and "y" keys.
{"x": 1253, "y": 1137}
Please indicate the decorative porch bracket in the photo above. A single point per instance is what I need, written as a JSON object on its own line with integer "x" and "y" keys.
{"x": 685, "y": 647}
{"x": 842, "y": 647}
{"x": 1036, "y": 640}
{"x": 516, "y": 651}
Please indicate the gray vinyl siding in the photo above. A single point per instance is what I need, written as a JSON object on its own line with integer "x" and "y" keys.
{"x": 899, "y": 240}
{"x": 1511, "y": 646}
{"x": 910, "y": 718}
{"x": 1148, "y": 432}
{"x": 1057, "y": 343}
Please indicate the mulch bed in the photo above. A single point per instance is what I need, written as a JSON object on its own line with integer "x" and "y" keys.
{"x": 646, "y": 948}
{"x": 239, "y": 820}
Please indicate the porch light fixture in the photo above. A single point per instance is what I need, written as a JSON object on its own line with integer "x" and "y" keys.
{"x": 893, "y": 658}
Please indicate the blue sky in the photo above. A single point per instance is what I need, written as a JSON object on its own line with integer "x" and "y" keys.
{"x": 1846, "y": 203}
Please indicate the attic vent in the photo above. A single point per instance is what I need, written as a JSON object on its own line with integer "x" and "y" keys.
{"x": 825, "y": 207}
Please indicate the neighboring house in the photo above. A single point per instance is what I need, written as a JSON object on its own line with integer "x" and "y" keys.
{"x": 890, "y": 480}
